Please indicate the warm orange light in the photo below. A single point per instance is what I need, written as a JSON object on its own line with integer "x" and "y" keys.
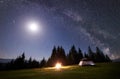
{"x": 58, "y": 66}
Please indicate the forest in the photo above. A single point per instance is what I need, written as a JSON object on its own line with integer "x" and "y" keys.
{"x": 58, "y": 55}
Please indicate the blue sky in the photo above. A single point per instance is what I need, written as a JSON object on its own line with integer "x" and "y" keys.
{"x": 64, "y": 23}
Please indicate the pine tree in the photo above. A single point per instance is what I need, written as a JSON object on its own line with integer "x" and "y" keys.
{"x": 79, "y": 55}
{"x": 100, "y": 57}
{"x": 72, "y": 56}
{"x": 19, "y": 62}
{"x": 35, "y": 64}
{"x": 52, "y": 59}
{"x": 29, "y": 65}
{"x": 107, "y": 58}
{"x": 43, "y": 63}
{"x": 91, "y": 54}
{"x": 58, "y": 55}
{"x": 61, "y": 56}
{"x": 86, "y": 55}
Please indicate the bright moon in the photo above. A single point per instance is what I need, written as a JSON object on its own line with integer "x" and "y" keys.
{"x": 33, "y": 27}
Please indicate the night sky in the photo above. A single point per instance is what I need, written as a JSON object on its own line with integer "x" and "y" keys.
{"x": 61, "y": 22}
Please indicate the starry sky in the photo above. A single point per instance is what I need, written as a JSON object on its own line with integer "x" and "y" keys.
{"x": 63, "y": 22}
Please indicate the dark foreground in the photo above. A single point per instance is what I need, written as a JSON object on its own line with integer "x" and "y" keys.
{"x": 100, "y": 71}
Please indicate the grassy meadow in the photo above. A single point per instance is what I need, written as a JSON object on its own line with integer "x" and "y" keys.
{"x": 100, "y": 71}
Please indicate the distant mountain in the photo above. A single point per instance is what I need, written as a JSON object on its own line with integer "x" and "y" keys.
{"x": 5, "y": 60}
{"x": 116, "y": 60}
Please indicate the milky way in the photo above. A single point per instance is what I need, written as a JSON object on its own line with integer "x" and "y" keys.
{"x": 66, "y": 22}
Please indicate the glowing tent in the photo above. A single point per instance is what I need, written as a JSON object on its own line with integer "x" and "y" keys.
{"x": 86, "y": 62}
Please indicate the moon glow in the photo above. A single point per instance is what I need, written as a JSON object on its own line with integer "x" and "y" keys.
{"x": 33, "y": 27}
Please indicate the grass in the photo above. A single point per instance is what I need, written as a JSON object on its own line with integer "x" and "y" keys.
{"x": 100, "y": 71}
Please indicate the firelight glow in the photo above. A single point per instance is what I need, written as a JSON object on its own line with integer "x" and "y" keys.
{"x": 58, "y": 66}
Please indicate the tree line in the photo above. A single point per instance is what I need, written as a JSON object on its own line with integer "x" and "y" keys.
{"x": 74, "y": 56}
{"x": 58, "y": 55}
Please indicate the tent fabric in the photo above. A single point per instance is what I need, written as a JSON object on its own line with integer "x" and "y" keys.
{"x": 86, "y": 62}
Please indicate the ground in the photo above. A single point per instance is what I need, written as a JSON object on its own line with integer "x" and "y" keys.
{"x": 100, "y": 71}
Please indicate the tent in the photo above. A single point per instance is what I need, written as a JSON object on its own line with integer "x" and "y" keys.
{"x": 86, "y": 62}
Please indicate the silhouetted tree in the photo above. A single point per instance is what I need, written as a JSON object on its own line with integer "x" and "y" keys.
{"x": 58, "y": 55}
{"x": 100, "y": 57}
{"x": 61, "y": 56}
{"x": 10, "y": 65}
{"x": 79, "y": 56}
{"x": 53, "y": 58}
{"x": 35, "y": 64}
{"x": 107, "y": 58}
{"x": 30, "y": 60}
{"x": 43, "y": 63}
{"x": 72, "y": 56}
{"x": 19, "y": 62}
{"x": 86, "y": 55}
{"x": 29, "y": 64}
{"x": 91, "y": 54}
